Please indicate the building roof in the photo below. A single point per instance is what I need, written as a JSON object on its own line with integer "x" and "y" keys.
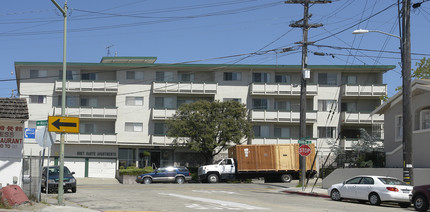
{"x": 417, "y": 86}
{"x": 13, "y": 108}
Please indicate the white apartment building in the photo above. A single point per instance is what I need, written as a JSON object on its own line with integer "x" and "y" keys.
{"x": 123, "y": 103}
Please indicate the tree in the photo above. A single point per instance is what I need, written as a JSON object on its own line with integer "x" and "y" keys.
{"x": 210, "y": 127}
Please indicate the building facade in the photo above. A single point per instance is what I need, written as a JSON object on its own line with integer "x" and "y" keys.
{"x": 124, "y": 102}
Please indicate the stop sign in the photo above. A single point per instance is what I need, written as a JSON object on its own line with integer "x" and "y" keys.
{"x": 304, "y": 150}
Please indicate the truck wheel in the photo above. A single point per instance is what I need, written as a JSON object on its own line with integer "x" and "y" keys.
{"x": 213, "y": 178}
{"x": 286, "y": 178}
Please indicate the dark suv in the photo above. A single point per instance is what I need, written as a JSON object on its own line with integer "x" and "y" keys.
{"x": 420, "y": 197}
{"x": 69, "y": 182}
{"x": 169, "y": 174}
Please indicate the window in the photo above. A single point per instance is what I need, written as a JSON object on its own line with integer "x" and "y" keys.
{"x": 261, "y": 131}
{"x": 133, "y": 101}
{"x": 348, "y": 106}
{"x": 283, "y": 105}
{"x": 350, "y": 80}
{"x": 160, "y": 129}
{"x": 186, "y": 77}
{"x": 377, "y": 130}
{"x": 38, "y": 73}
{"x": 163, "y": 76}
{"x": 134, "y": 75}
{"x": 399, "y": 128}
{"x": 282, "y": 132}
{"x": 232, "y": 99}
{"x": 133, "y": 127}
{"x": 179, "y": 102}
{"x": 69, "y": 75}
{"x": 355, "y": 180}
{"x": 326, "y": 105}
{"x": 37, "y": 99}
{"x": 282, "y": 78}
{"x": 367, "y": 181}
{"x": 86, "y": 128}
{"x": 88, "y": 102}
{"x": 425, "y": 119}
{"x": 164, "y": 102}
{"x": 232, "y": 76}
{"x": 327, "y": 78}
{"x": 326, "y": 132}
{"x": 260, "y": 77}
{"x": 127, "y": 157}
{"x": 71, "y": 101}
{"x": 88, "y": 76}
{"x": 260, "y": 104}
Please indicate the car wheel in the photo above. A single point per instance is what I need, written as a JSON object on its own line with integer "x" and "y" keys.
{"x": 213, "y": 178}
{"x": 286, "y": 178}
{"x": 335, "y": 195}
{"x": 180, "y": 180}
{"x": 374, "y": 199}
{"x": 404, "y": 204}
{"x": 147, "y": 180}
{"x": 74, "y": 190}
{"x": 421, "y": 203}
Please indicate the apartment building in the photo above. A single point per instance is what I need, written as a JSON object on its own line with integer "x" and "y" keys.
{"x": 123, "y": 103}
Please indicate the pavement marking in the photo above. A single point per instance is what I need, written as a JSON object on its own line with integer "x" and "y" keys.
{"x": 215, "y": 204}
{"x": 214, "y": 191}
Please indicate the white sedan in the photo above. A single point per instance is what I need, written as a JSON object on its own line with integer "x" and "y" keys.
{"x": 375, "y": 189}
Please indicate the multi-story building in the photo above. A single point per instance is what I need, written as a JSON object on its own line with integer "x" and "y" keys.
{"x": 123, "y": 103}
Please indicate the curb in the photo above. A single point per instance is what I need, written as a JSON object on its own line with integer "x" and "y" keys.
{"x": 313, "y": 194}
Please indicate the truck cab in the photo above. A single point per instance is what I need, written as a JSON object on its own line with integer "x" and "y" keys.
{"x": 222, "y": 170}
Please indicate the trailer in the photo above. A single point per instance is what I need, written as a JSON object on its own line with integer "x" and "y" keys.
{"x": 273, "y": 162}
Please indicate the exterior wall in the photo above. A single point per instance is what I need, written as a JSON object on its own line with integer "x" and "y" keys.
{"x": 11, "y": 148}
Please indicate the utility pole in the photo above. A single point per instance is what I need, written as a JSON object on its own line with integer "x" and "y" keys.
{"x": 305, "y": 73}
{"x": 406, "y": 92}
{"x": 63, "y": 104}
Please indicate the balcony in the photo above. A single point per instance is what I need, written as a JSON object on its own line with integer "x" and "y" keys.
{"x": 281, "y": 116}
{"x": 360, "y": 118}
{"x": 279, "y": 140}
{"x": 184, "y": 87}
{"x": 281, "y": 89}
{"x": 364, "y": 90}
{"x": 162, "y": 140}
{"x": 162, "y": 114}
{"x": 81, "y": 138}
{"x": 88, "y": 112}
{"x": 88, "y": 86}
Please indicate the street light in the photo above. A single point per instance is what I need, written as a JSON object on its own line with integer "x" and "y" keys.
{"x": 405, "y": 50}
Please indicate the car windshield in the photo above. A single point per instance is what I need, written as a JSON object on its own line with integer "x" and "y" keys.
{"x": 392, "y": 181}
{"x": 56, "y": 170}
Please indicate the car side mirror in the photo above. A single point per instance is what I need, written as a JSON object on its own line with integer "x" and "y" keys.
{"x": 72, "y": 173}
{"x": 343, "y": 182}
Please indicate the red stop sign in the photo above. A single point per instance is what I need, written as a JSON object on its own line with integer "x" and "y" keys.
{"x": 304, "y": 150}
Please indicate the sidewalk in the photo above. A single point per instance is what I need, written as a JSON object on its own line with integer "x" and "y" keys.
{"x": 310, "y": 190}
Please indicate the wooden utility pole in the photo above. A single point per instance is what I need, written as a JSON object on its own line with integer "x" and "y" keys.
{"x": 305, "y": 73}
{"x": 406, "y": 92}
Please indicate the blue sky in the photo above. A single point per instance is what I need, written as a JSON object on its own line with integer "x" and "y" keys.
{"x": 194, "y": 30}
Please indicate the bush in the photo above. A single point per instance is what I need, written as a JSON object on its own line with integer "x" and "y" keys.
{"x": 131, "y": 170}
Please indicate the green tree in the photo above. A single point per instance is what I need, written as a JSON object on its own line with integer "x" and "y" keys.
{"x": 210, "y": 127}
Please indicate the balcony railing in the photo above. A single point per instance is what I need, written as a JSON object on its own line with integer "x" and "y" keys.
{"x": 281, "y": 89}
{"x": 161, "y": 140}
{"x": 82, "y": 138}
{"x": 360, "y": 118}
{"x": 88, "y": 86}
{"x": 281, "y": 116}
{"x": 279, "y": 140}
{"x": 364, "y": 90}
{"x": 185, "y": 87}
{"x": 88, "y": 112}
{"x": 162, "y": 114}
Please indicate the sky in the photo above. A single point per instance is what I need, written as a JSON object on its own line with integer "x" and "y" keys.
{"x": 207, "y": 31}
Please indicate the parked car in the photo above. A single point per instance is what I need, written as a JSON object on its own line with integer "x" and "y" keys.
{"x": 420, "y": 197}
{"x": 169, "y": 174}
{"x": 375, "y": 189}
{"x": 52, "y": 178}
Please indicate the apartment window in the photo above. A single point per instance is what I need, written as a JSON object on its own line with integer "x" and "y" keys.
{"x": 69, "y": 75}
{"x": 399, "y": 128}
{"x": 260, "y": 77}
{"x": 232, "y": 76}
{"x": 134, "y": 75}
{"x": 71, "y": 101}
{"x": 260, "y": 104}
{"x": 133, "y": 101}
{"x": 350, "y": 80}
{"x": 348, "y": 106}
{"x": 327, "y": 78}
{"x": 282, "y": 132}
{"x": 326, "y": 105}
{"x": 164, "y": 102}
{"x": 326, "y": 132}
{"x": 185, "y": 77}
{"x": 38, "y": 73}
{"x": 283, "y": 105}
{"x": 163, "y": 76}
{"x": 377, "y": 131}
{"x": 86, "y": 128}
{"x": 261, "y": 131}
{"x": 425, "y": 119}
{"x": 160, "y": 129}
{"x": 232, "y": 99}
{"x": 282, "y": 78}
{"x": 37, "y": 99}
{"x": 127, "y": 157}
{"x": 179, "y": 102}
{"x": 88, "y": 102}
{"x": 88, "y": 76}
{"x": 133, "y": 127}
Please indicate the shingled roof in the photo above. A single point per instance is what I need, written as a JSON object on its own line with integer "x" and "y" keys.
{"x": 13, "y": 108}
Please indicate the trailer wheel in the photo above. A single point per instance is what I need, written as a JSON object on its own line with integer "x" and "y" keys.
{"x": 286, "y": 178}
{"x": 213, "y": 178}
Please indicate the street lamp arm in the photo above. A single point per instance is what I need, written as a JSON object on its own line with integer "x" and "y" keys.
{"x": 59, "y": 7}
{"x": 363, "y": 31}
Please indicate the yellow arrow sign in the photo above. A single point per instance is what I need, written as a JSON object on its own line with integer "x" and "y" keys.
{"x": 63, "y": 124}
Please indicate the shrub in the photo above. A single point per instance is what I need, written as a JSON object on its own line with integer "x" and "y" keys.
{"x": 135, "y": 171}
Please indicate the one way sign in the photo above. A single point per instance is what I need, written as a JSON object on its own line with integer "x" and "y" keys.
{"x": 63, "y": 124}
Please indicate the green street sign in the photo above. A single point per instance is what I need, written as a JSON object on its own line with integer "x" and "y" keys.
{"x": 42, "y": 123}
{"x": 305, "y": 142}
